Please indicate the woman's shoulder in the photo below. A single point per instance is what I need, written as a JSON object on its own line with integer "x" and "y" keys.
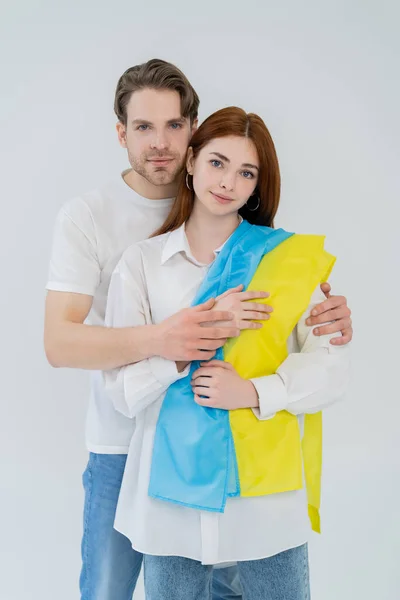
{"x": 141, "y": 252}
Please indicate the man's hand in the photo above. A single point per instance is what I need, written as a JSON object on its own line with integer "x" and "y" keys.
{"x": 245, "y": 312}
{"x": 335, "y": 315}
{"x": 217, "y": 384}
{"x": 183, "y": 337}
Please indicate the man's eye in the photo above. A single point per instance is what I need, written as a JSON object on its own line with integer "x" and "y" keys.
{"x": 143, "y": 127}
{"x": 176, "y": 125}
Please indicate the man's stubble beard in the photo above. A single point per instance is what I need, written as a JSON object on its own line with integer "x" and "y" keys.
{"x": 159, "y": 176}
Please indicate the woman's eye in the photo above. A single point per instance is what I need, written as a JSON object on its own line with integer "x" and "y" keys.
{"x": 248, "y": 174}
{"x": 216, "y": 163}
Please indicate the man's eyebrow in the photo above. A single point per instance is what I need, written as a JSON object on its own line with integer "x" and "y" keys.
{"x": 169, "y": 122}
{"x": 222, "y": 157}
{"x": 141, "y": 122}
{"x": 178, "y": 120}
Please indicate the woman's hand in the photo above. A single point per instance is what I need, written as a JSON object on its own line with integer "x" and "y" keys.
{"x": 216, "y": 384}
{"x": 242, "y": 304}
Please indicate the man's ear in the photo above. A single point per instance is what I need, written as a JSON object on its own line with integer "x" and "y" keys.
{"x": 194, "y": 126}
{"x": 121, "y": 131}
{"x": 190, "y": 161}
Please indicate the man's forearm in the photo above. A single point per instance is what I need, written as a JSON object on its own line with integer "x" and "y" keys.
{"x": 81, "y": 346}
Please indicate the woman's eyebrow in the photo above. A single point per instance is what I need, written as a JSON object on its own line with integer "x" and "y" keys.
{"x": 222, "y": 157}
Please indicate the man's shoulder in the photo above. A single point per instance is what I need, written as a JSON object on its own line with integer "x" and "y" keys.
{"x": 81, "y": 209}
{"x": 97, "y": 204}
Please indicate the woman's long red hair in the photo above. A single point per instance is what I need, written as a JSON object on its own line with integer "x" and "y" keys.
{"x": 226, "y": 122}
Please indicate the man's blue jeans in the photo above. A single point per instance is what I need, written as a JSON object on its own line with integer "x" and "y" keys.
{"x": 110, "y": 566}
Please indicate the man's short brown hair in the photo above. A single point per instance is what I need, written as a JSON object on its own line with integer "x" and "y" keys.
{"x": 156, "y": 74}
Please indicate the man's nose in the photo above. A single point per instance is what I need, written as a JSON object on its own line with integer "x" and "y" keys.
{"x": 160, "y": 141}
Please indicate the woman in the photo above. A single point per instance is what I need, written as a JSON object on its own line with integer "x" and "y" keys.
{"x": 216, "y": 476}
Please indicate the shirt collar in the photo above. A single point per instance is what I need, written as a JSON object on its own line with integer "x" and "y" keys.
{"x": 177, "y": 242}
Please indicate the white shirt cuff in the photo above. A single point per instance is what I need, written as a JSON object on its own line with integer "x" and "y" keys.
{"x": 272, "y": 396}
{"x": 165, "y": 371}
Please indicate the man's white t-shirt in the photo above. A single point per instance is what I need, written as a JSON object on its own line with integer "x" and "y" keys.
{"x": 90, "y": 236}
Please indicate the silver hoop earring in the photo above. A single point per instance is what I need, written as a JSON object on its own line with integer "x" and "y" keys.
{"x": 187, "y": 183}
{"x": 256, "y": 207}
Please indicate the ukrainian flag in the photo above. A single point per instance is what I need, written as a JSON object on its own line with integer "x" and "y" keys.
{"x": 201, "y": 455}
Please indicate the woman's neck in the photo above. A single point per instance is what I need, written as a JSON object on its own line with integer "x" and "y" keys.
{"x": 206, "y": 232}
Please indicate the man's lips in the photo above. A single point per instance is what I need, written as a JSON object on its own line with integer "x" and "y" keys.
{"x": 160, "y": 162}
{"x": 222, "y": 199}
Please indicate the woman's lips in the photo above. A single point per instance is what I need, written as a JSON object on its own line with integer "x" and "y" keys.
{"x": 222, "y": 199}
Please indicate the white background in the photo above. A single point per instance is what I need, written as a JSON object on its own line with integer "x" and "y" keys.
{"x": 325, "y": 77}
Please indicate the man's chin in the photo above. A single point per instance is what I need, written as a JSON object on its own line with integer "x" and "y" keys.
{"x": 161, "y": 177}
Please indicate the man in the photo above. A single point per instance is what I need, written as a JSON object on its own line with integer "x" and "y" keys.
{"x": 157, "y": 113}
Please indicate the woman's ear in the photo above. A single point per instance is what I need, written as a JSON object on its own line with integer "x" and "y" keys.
{"x": 190, "y": 161}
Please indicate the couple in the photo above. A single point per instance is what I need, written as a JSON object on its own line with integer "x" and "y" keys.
{"x": 153, "y": 332}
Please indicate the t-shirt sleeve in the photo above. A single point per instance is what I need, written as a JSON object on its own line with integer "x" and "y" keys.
{"x": 74, "y": 263}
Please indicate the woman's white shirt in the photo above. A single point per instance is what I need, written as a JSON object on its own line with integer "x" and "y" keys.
{"x": 155, "y": 279}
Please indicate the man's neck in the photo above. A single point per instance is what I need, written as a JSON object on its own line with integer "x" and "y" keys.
{"x": 205, "y": 233}
{"x": 146, "y": 189}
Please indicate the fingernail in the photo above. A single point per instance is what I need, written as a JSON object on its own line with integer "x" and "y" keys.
{"x": 314, "y": 312}
{"x": 316, "y": 331}
{"x": 308, "y": 321}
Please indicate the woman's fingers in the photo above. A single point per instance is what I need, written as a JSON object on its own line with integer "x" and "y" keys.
{"x": 202, "y": 381}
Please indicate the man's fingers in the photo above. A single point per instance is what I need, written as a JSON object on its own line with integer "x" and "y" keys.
{"x": 259, "y": 316}
{"x": 326, "y": 288}
{"x": 213, "y": 315}
{"x": 257, "y": 306}
{"x": 332, "y": 302}
{"x": 207, "y": 344}
{"x": 218, "y": 333}
{"x": 249, "y": 325}
{"x": 252, "y": 295}
{"x": 347, "y": 336}
{"x": 333, "y": 327}
{"x": 234, "y": 290}
{"x": 205, "y": 305}
{"x": 343, "y": 312}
